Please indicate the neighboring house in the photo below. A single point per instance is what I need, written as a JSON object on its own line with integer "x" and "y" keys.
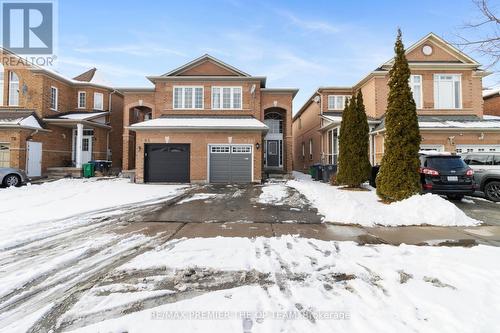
{"x": 447, "y": 88}
{"x": 50, "y": 121}
{"x": 207, "y": 121}
{"x": 492, "y": 102}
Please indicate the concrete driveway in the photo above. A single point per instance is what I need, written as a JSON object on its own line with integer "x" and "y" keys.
{"x": 237, "y": 203}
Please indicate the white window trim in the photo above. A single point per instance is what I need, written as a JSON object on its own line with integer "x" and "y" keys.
{"x": 102, "y": 101}
{"x": 193, "y": 98}
{"x": 310, "y": 149}
{"x": 412, "y": 83}
{"x": 2, "y": 84}
{"x": 84, "y": 105}
{"x": 436, "y": 80}
{"x": 335, "y": 102}
{"x": 10, "y": 102}
{"x": 303, "y": 150}
{"x": 56, "y": 98}
{"x": 221, "y": 97}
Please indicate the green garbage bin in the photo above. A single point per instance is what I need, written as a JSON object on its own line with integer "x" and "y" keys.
{"x": 312, "y": 171}
{"x": 88, "y": 170}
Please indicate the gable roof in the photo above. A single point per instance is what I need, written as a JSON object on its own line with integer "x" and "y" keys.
{"x": 201, "y": 60}
{"x": 24, "y": 119}
{"x": 86, "y": 76}
{"x": 443, "y": 44}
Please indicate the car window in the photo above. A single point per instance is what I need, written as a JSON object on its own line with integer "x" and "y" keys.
{"x": 483, "y": 159}
{"x": 445, "y": 162}
{"x": 496, "y": 159}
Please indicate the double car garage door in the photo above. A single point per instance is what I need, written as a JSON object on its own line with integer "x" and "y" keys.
{"x": 165, "y": 162}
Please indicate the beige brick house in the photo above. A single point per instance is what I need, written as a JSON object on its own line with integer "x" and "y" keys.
{"x": 50, "y": 121}
{"x": 207, "y": 121}
{"x": 492, "y": 102}
{"x": 447, "y": 88}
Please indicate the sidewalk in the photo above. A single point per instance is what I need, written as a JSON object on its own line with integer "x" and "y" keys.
{"x": 414, "y": 235}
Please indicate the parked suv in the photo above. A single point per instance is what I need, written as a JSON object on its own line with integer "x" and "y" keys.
{"x": 443, "y": 173}
{"x": 486, "y": 168}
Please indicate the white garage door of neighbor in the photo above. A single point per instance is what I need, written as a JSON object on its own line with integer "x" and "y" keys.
{"x": 34, "y": 159}
{"x": 464, "y": 149}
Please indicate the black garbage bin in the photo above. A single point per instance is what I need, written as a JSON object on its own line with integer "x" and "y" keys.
{"x": 373, "y": 176}
{"x": 319, "y": 171}
{"x": 328, "y": 171}
{"x": 102, "y": 166}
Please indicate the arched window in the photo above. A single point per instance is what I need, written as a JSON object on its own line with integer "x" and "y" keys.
{"x": 274, "y": 121}
{"x": 1, "y": 85}
{"x": 13, "y": 89}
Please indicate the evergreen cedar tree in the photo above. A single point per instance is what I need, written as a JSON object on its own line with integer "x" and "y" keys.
{"x": 398, "y": 177}
{"x": 354, "y": 163}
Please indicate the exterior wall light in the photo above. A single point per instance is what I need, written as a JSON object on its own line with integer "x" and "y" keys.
{"x": 257, "y": 146}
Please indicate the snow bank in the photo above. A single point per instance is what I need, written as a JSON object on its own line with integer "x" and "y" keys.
{"x": 380, "y": 288}
{"x": 364, "y": 208}
{"x": 32, "y": 209}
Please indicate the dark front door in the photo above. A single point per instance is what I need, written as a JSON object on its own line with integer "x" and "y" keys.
{"x": 273, "y": 153}
{"x": 166, "y": 162}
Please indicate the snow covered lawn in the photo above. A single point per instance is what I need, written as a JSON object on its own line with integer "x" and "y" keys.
{"x": 29, "y": 209}
{"x": 364, "y": 208}
{"x": 293, "y": 284}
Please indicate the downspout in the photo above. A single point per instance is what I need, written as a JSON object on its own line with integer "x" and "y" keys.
{"x": 111, "y": 115}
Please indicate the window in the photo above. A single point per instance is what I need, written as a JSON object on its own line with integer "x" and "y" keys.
{"x": 303, "y": 150}
{"x": 337, "y": 102}
{"x": 4, "y": 155}
{"x": 479, "y": 159}
{"x": 416, "y": 88}
{"x": 226, "y": 97}
{"x": 219, "y": 149}
{"x": 310, "y": 149}
{"x": 300, "y": 123}
{"x": 13, "y": 89}
{"x": 98, "y": 101}
{"x": 1, "y": 84}
{"x": 188, "y": 97}
{"x": 447, "y": 91}
{"x": 242, "y": 149}
{"x": 53, "y": 98}
{"x": 82, "y": 99}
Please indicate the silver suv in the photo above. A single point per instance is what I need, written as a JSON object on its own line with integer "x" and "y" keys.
{"x": 486, "y": 168}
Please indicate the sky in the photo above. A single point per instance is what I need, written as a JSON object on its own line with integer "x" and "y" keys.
{"x": 298, "y": 44}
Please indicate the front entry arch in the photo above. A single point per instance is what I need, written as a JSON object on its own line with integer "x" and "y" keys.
{"x": 273, "y": 141}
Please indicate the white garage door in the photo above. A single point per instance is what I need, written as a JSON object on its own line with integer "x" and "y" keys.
{"x": 464, "y": 149}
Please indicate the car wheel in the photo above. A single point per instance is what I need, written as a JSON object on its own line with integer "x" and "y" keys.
{"x": 455, "y": 197}
{"x": 12, "y": 180}
{"x": 492, "y": 191}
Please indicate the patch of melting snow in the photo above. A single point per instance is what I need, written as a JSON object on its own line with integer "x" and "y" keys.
{"x": 198, "y": 196}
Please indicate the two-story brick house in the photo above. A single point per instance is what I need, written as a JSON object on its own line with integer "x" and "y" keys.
{"x": 447, "y": 89}
{"x": 207, "y": 121}
{"x": 48, "y": 120}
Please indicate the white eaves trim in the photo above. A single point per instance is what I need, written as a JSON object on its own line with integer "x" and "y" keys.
{"x": 198, "y": 123}
{"x": 83, "y": 116}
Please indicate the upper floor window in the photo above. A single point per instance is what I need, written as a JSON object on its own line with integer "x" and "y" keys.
{"x": 82, "y": 99}
{"x": 310, "y": 149}
{"x": 13, "y": 89}
{"x": 447, "y": 91}
{"x": 336, "y": 102}
{"x": 98, "y": 101}
{"x": 53, "y": 98}
{"x": 188, "y": 97}
{"x": 303, "y": 150}
{"x": 226, "y": 98}
{"x": 1, "y": 84}
{"x": 416, "y": 88}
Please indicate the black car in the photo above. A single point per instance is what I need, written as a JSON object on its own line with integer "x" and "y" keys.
{"x": 446, "y": 174}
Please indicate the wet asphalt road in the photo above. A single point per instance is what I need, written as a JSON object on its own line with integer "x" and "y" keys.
{"x": 480, "y": 209}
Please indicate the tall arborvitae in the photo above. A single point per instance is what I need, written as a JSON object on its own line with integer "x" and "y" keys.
{"x": 398, "y": 177}
{"x": 354, "y": 166}
{"x": 363, "y": 165}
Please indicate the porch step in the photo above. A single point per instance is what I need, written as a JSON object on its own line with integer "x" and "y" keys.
{"x": 64, "y": 172}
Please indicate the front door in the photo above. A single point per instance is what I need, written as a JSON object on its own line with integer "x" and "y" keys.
{"x": 273, "y": 152}
{"x": 34, "y": 159}
{"x": 86, "y": 148}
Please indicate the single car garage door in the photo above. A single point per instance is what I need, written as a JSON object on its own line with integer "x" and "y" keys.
{"x": 166, "y": 162}
{"x": 230, "y": 163}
